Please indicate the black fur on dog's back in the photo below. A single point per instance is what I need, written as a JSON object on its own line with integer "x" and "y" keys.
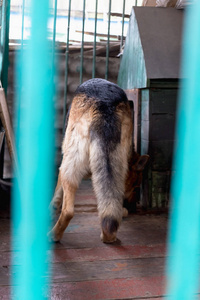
{"x": 106, "y": 97}
{"x": 102, "y": 90}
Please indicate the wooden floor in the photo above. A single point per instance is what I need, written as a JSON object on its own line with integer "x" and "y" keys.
{"x": 86, "y": 269}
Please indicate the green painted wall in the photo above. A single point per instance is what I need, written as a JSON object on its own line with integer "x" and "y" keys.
{"x": 132, "y": 72}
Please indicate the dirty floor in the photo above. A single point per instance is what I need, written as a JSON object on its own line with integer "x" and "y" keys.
{"x": 86, "y": 269}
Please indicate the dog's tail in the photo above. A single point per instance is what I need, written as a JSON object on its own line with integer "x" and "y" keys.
{"x": 109, "y": 166}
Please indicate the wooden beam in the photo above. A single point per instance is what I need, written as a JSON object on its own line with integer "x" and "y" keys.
{"x": 100, "y": 50}
{"x": 120, "y": 15}
{"x": 6, "y": 121}
{"x": 99, "y": 34}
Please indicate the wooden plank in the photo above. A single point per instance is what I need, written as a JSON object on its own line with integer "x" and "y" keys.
{"x": 163, "y": 101}
{"x": 161, "y": 187}
{"x": 92, "y": 254}
{"x": 77, "y": 271}
{"x": 107, "y": 253}
{"x": 162, "y": 127}
{"x": 5, "y": 292}
{"x": 145, "y": 105}
{"x": 143, "y": 230}
{"x": 2, "y": 143}
{"x": 114, "y": 14}
{"x": 134, "y": 95}
{"x": 161, "y": 153}
{"x": 5, "y": 272}
{"x": 145, "y": 147}
{"x": 114, "y": 50}
{"x": 141, "y": 288}
{"x": 98, "y": 34}
{"x": 87, "y": 271}
{"x": 6, "y": 121}
{"x": 144, "y": 288}
{"x": 2, "y": 135}
{"x": 130, "y": 233}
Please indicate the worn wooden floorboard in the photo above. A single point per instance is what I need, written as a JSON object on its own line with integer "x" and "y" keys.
{"x": 143, "y": 288}
{"x": 85, "y": 268}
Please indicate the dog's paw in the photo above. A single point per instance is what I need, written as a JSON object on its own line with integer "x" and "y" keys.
{"x": 108, "y": 240}
{"x": 125, "y": 212}
{"x": 52, "y": 237}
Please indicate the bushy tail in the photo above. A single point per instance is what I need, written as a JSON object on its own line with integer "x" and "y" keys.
{"x": 108, "y": 176}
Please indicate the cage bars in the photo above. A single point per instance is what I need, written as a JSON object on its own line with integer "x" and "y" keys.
{"x": 82, "y": 44}
{"x": 95, "y": 39}
{"x": 108, "y": 41}
{"x": 66, "y": 66}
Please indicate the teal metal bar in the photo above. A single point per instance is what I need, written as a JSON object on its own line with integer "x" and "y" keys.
{"x": 184, "y": 236}
{"x": 66, "y": 67}
{"x": 108, "y": 42}
{"x": 1, "y": 13}
{"x": 54, "y": 33}
{"x": 2, "y": 34}
{"x": 95, "y": 39}
{"x": 82, "y": 44}
{"x": 123, "y": 12}
{"x": 4, "y": 55}
{"x": 23, "y": 8}
{"x": 34, "y": 143}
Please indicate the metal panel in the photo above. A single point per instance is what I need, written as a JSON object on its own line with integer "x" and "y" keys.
{"x": 132, "y": 72}
{"x": 161, "y": 37}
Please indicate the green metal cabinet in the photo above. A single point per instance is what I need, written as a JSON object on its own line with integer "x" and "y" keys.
{"x": 151, "y": 63}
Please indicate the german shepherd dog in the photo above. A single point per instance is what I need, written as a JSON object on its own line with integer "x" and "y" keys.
{"x": 98, "y": 141}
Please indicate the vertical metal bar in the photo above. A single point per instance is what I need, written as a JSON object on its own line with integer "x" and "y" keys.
{"x": 184, "y": 236}
{"x": 54, "y": 32}
{"x": 66, "y": 67}
{"x": 135, "y": 2}
{"x": 23, "y": 8}
{"x": 108, "y": 42}
{"x": 34, "y": 143}
{"x": 2, "y": 35}
{"x": 123, "y": 12}
{"x": 1, "y": 13}
{"x": 95, "y": 38}
{"x": 5, "y": 44}
{"x": 4, "y": 54}
{"x": 2, "y": 148}
{"x": 82, "y": 44}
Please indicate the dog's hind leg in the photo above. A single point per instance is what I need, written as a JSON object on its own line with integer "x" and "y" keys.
{"x": 56, "y": 203}
{"x": 109, "y": 156}
{"x": 75, "y": 165}
{"x": 67, "y": 212}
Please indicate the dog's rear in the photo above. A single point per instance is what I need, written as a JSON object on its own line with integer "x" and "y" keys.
{"x": 98, "y": 139}
{"x": 110, "y": 145}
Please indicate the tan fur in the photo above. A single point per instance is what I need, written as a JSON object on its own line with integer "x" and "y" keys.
{"x": 83, "y": 155}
